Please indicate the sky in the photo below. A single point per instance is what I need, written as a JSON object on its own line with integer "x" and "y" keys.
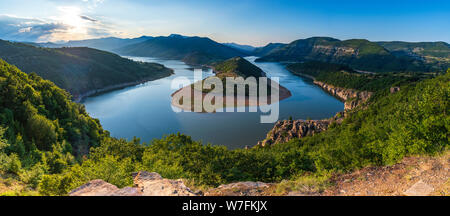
{"x": 252, "y": 22}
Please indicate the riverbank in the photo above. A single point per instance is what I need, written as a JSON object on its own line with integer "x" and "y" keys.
{"x": 79, "y": 98}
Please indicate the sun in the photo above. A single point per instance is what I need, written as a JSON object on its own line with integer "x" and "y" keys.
{"x": 71, "y": 16}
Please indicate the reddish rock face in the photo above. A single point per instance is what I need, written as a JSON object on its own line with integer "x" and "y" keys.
{"x": 352, "y": 98}
{"x": 286, "y": 130}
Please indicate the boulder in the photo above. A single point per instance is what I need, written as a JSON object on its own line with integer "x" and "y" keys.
{"x": 420, "y": 188}
{"x": 145, "y": 184}
{"x": 99, "y": 187}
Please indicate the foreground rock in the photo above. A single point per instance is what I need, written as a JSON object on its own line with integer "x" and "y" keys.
{"x": 152, "y": 184}
{"x": 99, "y": 187}
{"x": 145, "y": 184}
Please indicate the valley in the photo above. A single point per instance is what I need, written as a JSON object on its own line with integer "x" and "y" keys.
{"x": 334, "y": 119}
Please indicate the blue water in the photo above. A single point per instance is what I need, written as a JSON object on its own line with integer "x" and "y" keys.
{"x": 145, "y": 110}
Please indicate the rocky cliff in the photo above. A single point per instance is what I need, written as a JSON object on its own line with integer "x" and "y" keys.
{"x": 352, "y": 98}
{"x": 285, "y": 130}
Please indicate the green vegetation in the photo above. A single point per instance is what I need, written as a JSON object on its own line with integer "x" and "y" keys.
{"x": 356, "y": 53}
{"x": 46, "y": 138}
{"x": 79, "y": 70}
{"x": 345, "y": 77}
{"x": 192, "y": 50}
{"x": 237, "y": 67}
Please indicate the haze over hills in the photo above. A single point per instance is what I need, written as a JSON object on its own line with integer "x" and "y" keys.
{"x": 192, "y": 50}
{"x": 107, "y": 44}
{"x": 80, "y": 70}
{"x": 360, "y": 54}
{"x": 244, "y": 48}
{"x": 262, "y": 51}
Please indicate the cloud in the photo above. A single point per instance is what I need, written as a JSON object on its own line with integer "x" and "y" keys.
{"x": 54, "y": 29}
{"x": 28, "y": 29}
{"x": 88, "y": 18}
{"x": 74, "y": 20}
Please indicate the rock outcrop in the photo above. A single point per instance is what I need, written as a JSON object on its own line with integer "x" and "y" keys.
{"x": 352, "y": 98}
{"x": 285, "y": 130}
{"x": 99, "y": 187}
{"x": 145, "y": 184}
{"x": 152, "y": 184}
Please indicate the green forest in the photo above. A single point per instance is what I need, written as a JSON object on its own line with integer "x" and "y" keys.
{"x": 345, "y": 77}
{"x": 52, "y": 145}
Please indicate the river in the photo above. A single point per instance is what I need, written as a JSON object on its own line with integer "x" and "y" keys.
{"x": 145, "y": 110}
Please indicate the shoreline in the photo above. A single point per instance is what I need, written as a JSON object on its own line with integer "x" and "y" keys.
{"x": 248, "y": 102}
{"x": 79, "y": 98}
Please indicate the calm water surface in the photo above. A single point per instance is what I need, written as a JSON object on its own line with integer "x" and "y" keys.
{"x": 145, "y": 110}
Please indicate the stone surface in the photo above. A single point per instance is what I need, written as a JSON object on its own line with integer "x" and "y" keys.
{"x": 152, "y": 184}
{"x": 145, "y": 184}
{"x": 420, "y": 188}
{"x": 96, "y": 187}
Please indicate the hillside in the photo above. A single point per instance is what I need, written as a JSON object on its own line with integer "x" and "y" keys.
{"x": 37, "y": 115}
{"x": 357, "y": 53}
{"x": 235, "y": 67}
{"x": 192, "y": 50}
{"x": 81, "y": 70}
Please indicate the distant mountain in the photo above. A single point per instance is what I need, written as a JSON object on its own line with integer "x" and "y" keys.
{"x": 265, "y": 50}
{"x": 435, "y": 54}
{"x": 192, "y": 50}
{"x": 360, "y": 54}
{"x": 80, "y": 70}
{"x": 432, "y": 49}
{"x": 107, "y": 44}
{"x": 244, "y": 48}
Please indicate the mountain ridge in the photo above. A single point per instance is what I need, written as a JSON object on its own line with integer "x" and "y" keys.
{"x": 360, "y": 54}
